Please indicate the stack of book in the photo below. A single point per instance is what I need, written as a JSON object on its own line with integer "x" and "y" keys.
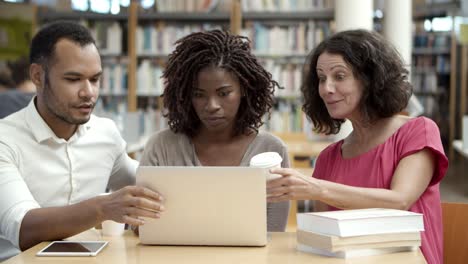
{"x": 357, "y": 233}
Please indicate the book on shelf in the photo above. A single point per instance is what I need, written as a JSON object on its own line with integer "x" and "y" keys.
{"x": 336, "y": 243}
{"x": 109, "y": 37}
{"x": 158, "y": 39}
{"x": 282, "y": 6}
{"x": 285, "y": 117}
{"x": 353, "y": 252}
{"x": 299, "y": 38}
{"x": 192, "y": 6}
{"x": 114, "y": 78}
{"x": 360, "y": 222}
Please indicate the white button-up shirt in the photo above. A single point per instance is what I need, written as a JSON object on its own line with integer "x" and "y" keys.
{"x": 38, "y": 169}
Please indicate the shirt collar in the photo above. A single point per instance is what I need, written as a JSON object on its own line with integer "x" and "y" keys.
{"x": 41, "y": 131}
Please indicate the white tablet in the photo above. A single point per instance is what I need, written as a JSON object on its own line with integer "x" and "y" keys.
{"x": 72, "y": 248}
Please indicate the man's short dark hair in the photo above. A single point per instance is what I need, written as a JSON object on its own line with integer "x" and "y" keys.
{"x": 43, "y": 43}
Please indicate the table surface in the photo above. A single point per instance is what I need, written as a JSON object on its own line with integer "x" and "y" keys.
{"x": 281, "y": 249}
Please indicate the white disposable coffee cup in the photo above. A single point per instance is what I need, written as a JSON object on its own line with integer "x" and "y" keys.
{"x": 112, "y": 228}
{"x": 267, "y": 160}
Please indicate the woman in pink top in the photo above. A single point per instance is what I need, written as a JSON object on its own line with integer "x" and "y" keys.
{"x": 389, "y": 160}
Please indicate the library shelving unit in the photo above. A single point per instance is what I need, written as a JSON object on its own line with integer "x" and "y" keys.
{"x": 460, "y": 100}
{"x": 131, "y": 71}
{"x": 282, "y": 37}
{"x": 431, "y": 76}
{"x": 434, "y": 67}
{"x": 144, "y": 59}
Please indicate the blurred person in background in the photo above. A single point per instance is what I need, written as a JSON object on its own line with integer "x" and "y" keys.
{"x": 20, "y": 90}
{"x": 6, "y": 82}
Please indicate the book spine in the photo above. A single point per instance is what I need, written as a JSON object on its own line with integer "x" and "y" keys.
{"x": 355, "y": 252}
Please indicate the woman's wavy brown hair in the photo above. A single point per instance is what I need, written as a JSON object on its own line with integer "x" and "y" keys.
{"x": 375, "y": 62}
{"x": 219, "y": 49}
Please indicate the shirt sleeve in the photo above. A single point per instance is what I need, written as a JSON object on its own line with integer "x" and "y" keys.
{"x": 124, "y": 169}
{"x": 424, "y": 134}
{"x": 15, "y": 198}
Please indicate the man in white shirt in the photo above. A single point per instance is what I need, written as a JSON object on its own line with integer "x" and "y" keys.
{"x": 56, "y": 158}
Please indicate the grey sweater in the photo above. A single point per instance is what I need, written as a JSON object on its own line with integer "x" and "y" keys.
{"x": 166, "y": 148}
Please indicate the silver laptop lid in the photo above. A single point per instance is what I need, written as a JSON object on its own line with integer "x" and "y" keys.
{"x": 223, "y": 206}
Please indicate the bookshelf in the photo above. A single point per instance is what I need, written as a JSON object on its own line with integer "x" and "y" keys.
{"x": 300, "y": 27}
{"x": 457, "y": 121}
{"x": 262, "y": 26}
{"x": 431, "y": 69}
{"x": 313, "y": 20}
{"x": 434, "y": 66}
{"x": 305, "y": 25}
{"x": 423, "y": 9}
{"x": 444, "y": 68}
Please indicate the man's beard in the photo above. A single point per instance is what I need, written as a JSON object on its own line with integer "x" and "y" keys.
{"x": 49, "y": 96}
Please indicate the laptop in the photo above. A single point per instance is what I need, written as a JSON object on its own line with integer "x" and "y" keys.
{"x": 211, "y": 206}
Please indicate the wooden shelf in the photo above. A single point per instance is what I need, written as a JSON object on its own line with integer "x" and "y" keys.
{"x": 435, "y": 10}
{"x": 320, "y": 14}
{"x": 45, "y": 16}
{"x": 431, "y": 51}
{"x": 184, "y": 16}
{"x": 421, "y": 93}
{"x": 49, "y": 16}
{"x": 426, "y": 11}
{"x": 423, "y": 70}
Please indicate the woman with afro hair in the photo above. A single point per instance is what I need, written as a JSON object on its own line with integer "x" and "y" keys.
{"x": 216, "y": 94}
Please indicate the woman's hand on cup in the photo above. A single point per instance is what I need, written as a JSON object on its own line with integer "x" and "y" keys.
{"x": 291, "y": 186}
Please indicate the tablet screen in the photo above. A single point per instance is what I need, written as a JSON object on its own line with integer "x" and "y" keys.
{"x": 88, "y": 248}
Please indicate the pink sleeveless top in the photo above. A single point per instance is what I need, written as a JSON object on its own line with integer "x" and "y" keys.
{"x": 375, "y": 168}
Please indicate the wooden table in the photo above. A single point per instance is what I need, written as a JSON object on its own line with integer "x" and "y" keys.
{"x": 281, "y": 249}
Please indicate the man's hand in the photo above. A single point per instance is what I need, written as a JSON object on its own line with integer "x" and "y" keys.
{"x": 129, "y": 203}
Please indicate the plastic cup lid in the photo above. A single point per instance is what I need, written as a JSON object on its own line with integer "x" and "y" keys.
{"x": 266, "y": 159}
